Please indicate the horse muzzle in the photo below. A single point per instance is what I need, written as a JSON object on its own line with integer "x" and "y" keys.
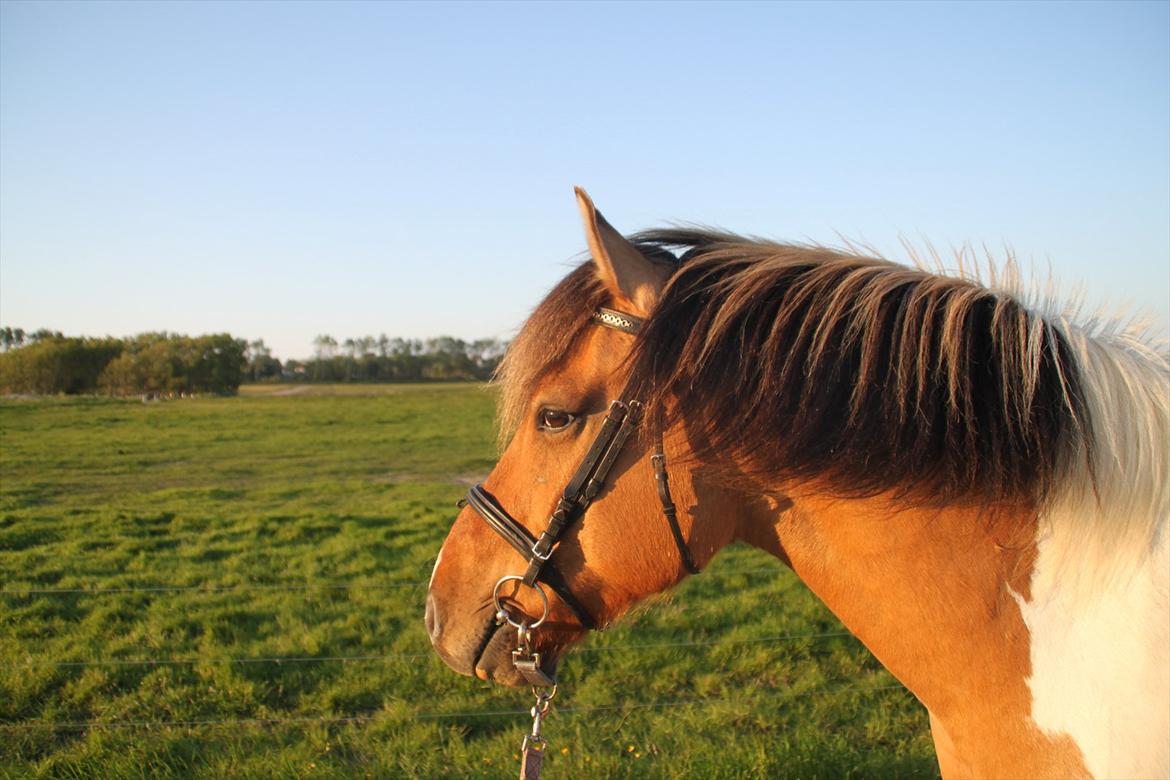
{"x": 485, "y": 649}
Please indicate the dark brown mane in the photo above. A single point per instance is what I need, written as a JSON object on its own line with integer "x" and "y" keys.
{"x": 789, "y": 361}
{"x": 803, "y": 362}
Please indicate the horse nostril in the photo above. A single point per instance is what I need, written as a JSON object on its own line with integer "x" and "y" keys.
{"x": 431, "y": 617}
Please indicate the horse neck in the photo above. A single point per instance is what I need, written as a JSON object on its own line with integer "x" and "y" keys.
{"x": 934, "y": 594}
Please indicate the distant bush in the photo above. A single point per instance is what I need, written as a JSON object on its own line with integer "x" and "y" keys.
{"x": 167, "y": 363}
{"x": 57, "y": 365}
{"x": 151, "y": 362}
{"x": 46, "y": 363}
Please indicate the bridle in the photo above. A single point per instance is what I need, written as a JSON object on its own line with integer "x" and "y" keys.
{"x": 587, "y": 482}
{"x": 623, "y": 417}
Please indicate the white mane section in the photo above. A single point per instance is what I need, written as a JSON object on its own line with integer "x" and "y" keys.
{"x": 1099, "y": 613}
{"x": 1122, "y": 506}
{"x": 1120, "y": 503}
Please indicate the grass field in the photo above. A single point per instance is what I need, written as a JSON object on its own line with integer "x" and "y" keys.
{"x": 233, "y": 587}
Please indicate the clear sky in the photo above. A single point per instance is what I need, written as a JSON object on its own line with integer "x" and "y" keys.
{"x": 282, "y": 170}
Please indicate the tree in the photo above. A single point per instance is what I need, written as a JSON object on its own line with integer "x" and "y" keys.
{"x": 261, "y": 364}
{"x": 324, "y": 347}
{"x": 7, "y": 338}
{"x": 485, "y": 351}
{"x": 350, "y": 347}
{"x": 43, "y": 334}
{"x": 57, "y": 365}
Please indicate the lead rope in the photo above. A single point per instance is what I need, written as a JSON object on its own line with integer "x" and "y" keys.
{"x": 527, "y": 662}
{"x": 533, "y": 747}
{"x": 544, "y": 688}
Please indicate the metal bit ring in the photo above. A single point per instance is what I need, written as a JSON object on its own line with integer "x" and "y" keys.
{"x": 502, "y": 612}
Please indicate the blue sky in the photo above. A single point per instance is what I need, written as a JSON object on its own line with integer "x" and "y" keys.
{"x": 283, "y": 170}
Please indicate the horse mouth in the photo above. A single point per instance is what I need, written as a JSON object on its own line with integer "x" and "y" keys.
{"x": 493, "y": 660}
{"x": 491, "y": 632}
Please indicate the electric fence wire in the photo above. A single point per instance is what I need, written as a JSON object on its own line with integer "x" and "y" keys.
{"x": 371, "y": 715}
{"x": 368, "y": 716}
{"x": 279, "y": 660}
{"x": 19, "y": 592}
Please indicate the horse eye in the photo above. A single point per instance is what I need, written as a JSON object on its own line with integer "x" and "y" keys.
{"x": 554, "y": 420}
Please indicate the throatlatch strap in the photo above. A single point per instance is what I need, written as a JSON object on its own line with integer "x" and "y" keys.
{"x": 662, "y": 480}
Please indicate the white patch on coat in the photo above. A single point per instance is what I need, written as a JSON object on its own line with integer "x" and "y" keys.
{"x": 1101, "y": 664}
{"x": 1099, "y": 612}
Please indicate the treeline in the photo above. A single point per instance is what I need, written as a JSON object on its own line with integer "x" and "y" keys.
{"x": 159, "y": 363}
{"x": 383, "y": 359}
{"x": 47, "y": 362}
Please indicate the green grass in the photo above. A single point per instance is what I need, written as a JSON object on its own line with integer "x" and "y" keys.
{"x": 303, "y": 526}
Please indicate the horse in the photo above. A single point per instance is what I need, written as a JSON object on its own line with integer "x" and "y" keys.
{"x": 972, "y": 480}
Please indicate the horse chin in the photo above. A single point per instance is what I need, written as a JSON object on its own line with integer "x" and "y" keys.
{"x": 495, "y": 659}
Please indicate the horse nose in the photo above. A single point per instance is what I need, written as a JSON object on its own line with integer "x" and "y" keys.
{"x": 433, "y": 622}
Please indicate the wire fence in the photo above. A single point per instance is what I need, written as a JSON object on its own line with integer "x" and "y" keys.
{"x": 615, "y": 648}
{"x": 371, "y": 715}
{"x": 18, "y": 592}
{"x": 295, "y": 586}
{"x": 85, "y": 579}
{"x": 368, "y": 716}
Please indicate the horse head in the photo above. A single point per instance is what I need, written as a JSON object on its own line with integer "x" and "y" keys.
{"x": 561, "y": 378}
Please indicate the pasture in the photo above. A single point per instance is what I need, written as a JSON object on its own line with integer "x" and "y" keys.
{"x": 233, "y": 587}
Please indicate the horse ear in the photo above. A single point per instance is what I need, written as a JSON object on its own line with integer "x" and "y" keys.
{"x": 634, "y": 281}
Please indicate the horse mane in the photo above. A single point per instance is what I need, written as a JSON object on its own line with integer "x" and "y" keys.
{"x": 787, "y": 361}
{"x": 807, "y": 362}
